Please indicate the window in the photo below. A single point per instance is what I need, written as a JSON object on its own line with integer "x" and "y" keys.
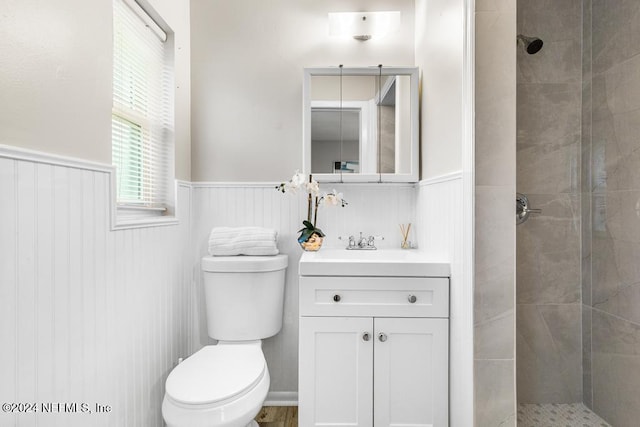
{"x": 142, "y": 120}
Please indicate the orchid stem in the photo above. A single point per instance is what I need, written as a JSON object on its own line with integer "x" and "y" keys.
{"x": 315, "y": 213}
{"x": 309, "y": 201}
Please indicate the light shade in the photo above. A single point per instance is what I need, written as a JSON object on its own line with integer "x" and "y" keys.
{"x": 363, "y": 25}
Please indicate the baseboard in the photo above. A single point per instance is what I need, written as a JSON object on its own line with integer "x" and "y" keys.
{"x": 281, "y": 398}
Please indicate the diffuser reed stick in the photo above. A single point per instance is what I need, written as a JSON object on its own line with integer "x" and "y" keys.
{"x": 404, "y": 230}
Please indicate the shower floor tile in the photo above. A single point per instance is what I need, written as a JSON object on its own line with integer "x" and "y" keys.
{"x": 558, "y": 415}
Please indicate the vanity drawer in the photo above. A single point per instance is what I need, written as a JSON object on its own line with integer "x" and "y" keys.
{"x": 374, "y": 296}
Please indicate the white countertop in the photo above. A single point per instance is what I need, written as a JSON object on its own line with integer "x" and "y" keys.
{"x": 381, "y": 262}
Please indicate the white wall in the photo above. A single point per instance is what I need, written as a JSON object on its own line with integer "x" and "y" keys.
{"x": 445, "y": 197}
{"x": 248, "y": 58}
{"x": 86, "y": 314}
{"x": 56, "y": 77}
{"x": 439, "y": 44}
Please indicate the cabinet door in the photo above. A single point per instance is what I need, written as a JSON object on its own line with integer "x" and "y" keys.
{"x": 335, "y": 371}
{"x": 411, "y": 372}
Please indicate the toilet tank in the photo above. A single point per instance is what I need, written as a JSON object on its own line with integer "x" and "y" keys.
{"x": 244, "y": 296}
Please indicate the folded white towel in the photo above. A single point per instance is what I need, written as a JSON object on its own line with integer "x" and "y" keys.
{"x": 229, "y": 241}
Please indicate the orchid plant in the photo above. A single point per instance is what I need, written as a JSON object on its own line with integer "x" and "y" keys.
{"x": 314, "y": 201}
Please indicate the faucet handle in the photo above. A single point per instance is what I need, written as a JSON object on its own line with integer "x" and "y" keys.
{"x": 374, "y": 238}
{"x": 351, "y": 239}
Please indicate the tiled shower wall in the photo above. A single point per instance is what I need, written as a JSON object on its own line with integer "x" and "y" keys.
{"x": 578, "y": 160}
{"x": 495, "y": 177}
{"x": 611, "y": 295}
{"x": 87, "y": 314}
{"x": 548, "y": 324}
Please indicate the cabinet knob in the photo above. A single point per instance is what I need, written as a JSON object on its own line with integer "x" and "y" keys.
{"x": 336, "y": 298}
{"x": 382, "y": 337}
{"x": 412, "y": 299}
{"x": 366, "y": 336}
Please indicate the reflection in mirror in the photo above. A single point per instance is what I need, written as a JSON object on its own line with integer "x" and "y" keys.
{"x": 368, "y": 130}
{"x": 328, "y": 155}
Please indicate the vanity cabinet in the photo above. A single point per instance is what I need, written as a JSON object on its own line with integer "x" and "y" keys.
{"x": 373, "y": 351}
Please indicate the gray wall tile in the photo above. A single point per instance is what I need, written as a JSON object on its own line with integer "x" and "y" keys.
{"x": 548, "y": 251}
{"x": 549, "y": 167}
{"x": 495, "y": 98}
{"x": 494, "y": 396}
{"x": 611, "y": 353}
{"x": 494, "y": 252}
{"x": 587, "y": 391}
{"x": 616, "y": 369}
{"x": 549, "y": 353}
{"x": 495, "y": 338}
{"x": 495, "y": 177}
{"x": 615, "y": 32}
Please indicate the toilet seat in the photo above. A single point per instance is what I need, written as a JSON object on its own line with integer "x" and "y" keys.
{"x": 216, "y": 373}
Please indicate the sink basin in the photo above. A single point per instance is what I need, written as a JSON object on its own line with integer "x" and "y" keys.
{"x": 381, "y": 262}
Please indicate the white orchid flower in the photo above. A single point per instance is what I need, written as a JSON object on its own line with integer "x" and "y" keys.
{"x": 330, "y": 199}
{"x": 312, "y": 187}
{"x": 289, "y": 187}
{"x": 297, "y": 180}
{"x": 333, "y": 199}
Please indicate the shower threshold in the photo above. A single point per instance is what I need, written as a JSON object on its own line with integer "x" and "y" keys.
{"x": 558, "y": 415}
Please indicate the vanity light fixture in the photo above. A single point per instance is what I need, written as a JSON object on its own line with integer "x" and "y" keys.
{"x": 363, "y": 25}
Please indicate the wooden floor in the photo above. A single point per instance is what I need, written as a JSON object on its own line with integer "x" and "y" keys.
{"x": 278, "y": 416}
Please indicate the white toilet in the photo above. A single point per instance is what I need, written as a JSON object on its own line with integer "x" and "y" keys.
{"x": 225, "y": 385}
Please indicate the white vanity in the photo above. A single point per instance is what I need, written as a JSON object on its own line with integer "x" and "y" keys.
{"x": 374, "y": 339}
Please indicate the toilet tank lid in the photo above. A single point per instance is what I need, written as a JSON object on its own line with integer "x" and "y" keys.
{"x": 244, "y": 263}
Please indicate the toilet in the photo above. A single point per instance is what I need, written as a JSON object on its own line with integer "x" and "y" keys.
{"x": 225, "y": 385}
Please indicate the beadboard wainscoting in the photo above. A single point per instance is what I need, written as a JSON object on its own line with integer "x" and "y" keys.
{"x": 373, "y": 209}
{"x": 440, "y": 224}
{"x": 95, "y": 315}
{"x": 87, "y": 314}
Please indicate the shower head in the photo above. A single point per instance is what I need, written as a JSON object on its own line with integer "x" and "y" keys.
{"x": 531, "y": 44}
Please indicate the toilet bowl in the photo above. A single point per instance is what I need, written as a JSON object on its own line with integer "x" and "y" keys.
{"x": 225, "y": 385}
{"x": 219, "y": 385}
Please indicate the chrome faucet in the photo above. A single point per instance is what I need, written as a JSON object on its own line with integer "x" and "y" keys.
{"x": 364, "y": 243}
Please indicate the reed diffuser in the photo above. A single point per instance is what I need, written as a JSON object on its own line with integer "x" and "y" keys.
{"x": 404, "y": 230}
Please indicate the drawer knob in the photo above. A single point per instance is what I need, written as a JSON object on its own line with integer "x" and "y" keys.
{"x": 412, "y": 299}
{"x": 382, "y": 337}
{"x": 366, "y": 336}
{"x": 336, "y": 298}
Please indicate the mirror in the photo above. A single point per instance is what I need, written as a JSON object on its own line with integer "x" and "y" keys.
{"x": 361, "y": 124}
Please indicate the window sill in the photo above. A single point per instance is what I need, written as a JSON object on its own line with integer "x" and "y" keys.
{"x": 139, "y": 216}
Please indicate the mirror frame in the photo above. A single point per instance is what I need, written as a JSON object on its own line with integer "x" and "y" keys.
{"x": 413, "y": 72}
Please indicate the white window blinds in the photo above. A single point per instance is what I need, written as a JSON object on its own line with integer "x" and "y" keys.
{"x": 142, "y": 118}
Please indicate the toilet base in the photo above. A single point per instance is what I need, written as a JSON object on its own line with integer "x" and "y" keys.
{"x": 253, "y": 423}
